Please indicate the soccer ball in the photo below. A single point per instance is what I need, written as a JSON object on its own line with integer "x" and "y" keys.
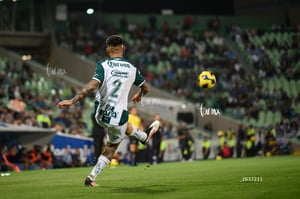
{"x": 206, "y": 79}
{"x": 114, "y": 163}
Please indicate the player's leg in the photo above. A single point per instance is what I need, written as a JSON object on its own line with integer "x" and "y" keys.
{"x": 142, "y": 136}
{"x": 103, "y": 161}
{"x": 114, "y": 137}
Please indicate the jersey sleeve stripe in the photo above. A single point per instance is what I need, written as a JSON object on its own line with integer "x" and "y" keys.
{"x": 97, "y": 79}
{"x": 141, "y": 83}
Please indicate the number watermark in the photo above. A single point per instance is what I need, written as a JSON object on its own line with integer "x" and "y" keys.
{"x": 250, "y": 179}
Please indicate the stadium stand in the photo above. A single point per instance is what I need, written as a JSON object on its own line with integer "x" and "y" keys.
{"x": 273, "y": 55}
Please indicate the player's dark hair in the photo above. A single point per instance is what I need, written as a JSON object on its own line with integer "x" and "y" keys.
{"x": 114, "y": 40}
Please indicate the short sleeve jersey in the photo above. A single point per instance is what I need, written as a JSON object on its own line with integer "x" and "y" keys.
{"x": 116, "y": 76}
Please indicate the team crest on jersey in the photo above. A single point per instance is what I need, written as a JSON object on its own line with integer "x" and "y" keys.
{"x": 118, "y": 73}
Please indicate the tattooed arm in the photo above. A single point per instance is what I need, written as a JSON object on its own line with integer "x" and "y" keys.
{"x": 144, "y": 89}
{"x": 85, "y": 91}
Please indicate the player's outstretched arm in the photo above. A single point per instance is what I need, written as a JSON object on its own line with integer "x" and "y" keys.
{"x": 85, "y": 91}
{"x": 143, "y": 91}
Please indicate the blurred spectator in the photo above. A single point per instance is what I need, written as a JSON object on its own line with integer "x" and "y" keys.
{"x": 76, "y": 131}
{"x": 284, "y": 146}
{"x": 241, "y": 135}
{"x": 21, "y": 158}
{"x": 250, "y": 131}
{"x": 221, "y": 142}
{"x": 12, "y": 153}
{"x": 162, "y": 149}
{"x": 5, "y": 164}
{"x": 152, "y": 20}
{"x": 62, "y": 119}
{"x": 226, "y": 151}
{"x": 168, "y": 129}
{"x": 17, "y": 104}
{"x": 232, "y": 143}
{"x": 123, "y": 24}
{"x": 185, "y": 141}
{"x": 59, "y": 127}
{"x": 35, "y": 157}
{"x": 135, "y": 120}
{"x": 271, "y": 146}
{"x": 229, "y": 133}
{"x": 250, "y": 147}
{"x": 28, "y": 118}
{"x": 76, "y": 158}
{"x": 47, "y": 158}
{"x": 43, "y": 119}
{"x": 206, "y": 146}
{"x": 165, "y": 27}
{"x": 156, "y": 140}
{"x": 67, "y": 157}
{"x": 187, "y": 22}
{"x": 214, "y": 24}
{"x": 259, "y": 142}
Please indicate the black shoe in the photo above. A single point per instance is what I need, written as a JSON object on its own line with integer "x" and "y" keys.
{"x": 90, "y": 183}
{"x": 151, "y": 130}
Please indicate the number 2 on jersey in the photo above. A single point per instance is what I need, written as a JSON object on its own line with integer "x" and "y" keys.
{"x": 117, "y": 84}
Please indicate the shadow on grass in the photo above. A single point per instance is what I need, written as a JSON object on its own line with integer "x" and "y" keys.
{"x": 149, "y": 189}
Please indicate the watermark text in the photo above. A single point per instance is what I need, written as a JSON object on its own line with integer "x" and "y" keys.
{"x": 52, "y": 71}
{"x": 251, "y": 179}
{"x": 208, "y": 111}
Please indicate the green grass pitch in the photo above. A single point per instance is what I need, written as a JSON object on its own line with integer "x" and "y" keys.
{"x": 279, "y": 177}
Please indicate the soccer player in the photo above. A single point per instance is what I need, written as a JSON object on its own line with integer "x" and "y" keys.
{"x": 112, "y": 81}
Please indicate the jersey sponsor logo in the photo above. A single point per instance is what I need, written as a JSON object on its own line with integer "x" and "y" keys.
{"x": 119, "y": 73}
{"x": 109, "y": 111}
{"x": 113, "y": 64}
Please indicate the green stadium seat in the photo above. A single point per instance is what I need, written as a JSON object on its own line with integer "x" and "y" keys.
{"x": 174, "y": 48}
{"x": 270, "y": 84}
{"x": 240, "y": 46}
{"x": 277, "y": 82}
{"x": 245, "y": 121}
{"x": 293, "y": 88}
{"x": 277, "y": 116}
{"x": 297, "y": 108}
{"x": 298, "y": 85}
{"x": 261, "y": 118}
{"x": 225, "y": 95}
{"x": 67, "y": 92}
{"x": 269, "y": 118}
{"x": 271, "y": 37}
{"x": 2, "y": 65}
{"x": 5, "y": 100}
{"x": 160, "y": 67}
{"x": 253, "y": 122}
{"x": 249, "y": 58}
{"x": 264, "y": 84}
{"x": 210, "y": 56}
{"x": 27, "y": 84}
{"x": 263, "y": 38}
{"x": 263, "y": 104}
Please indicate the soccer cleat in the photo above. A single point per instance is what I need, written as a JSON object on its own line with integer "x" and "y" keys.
{"x": 151, "y": 130}
{"x": 90, "y": 183}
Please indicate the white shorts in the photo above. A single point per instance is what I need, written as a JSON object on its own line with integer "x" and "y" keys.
{"x": 115, "y": 134}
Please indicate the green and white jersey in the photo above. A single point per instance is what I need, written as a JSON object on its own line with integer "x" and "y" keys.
{"x": 116, "y": 76}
